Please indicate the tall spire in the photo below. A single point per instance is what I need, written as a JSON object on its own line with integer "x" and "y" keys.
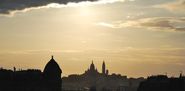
{"x": 103, "y": 67}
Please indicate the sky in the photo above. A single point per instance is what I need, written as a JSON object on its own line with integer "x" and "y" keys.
{"x": 134, "y": 37}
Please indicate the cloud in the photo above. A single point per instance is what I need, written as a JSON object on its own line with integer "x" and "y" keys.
{"x": 107, "y": 25}
{"x": 12, "y": 6}
{"x": 7, "y": 6}
{"x": 163, "y": 23}
{"x": 178, "y": 5}
{"x": 154, "y": 23}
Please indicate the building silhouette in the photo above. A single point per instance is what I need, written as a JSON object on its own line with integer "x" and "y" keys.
{"x": 107, "y": 72}
{"x": 103, "y": 68}
{"x": 92, "y": 70}
{"x": 162, "y": 83}
{"x": 52, "y": 75}
{"x": 32, "y": 79}
{"x": 93, "y": 80}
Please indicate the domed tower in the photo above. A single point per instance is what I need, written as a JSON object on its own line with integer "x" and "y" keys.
{"x": 92, "y": 67}
{"x": 52, "y": 75}
{"x": 52, "y": 70}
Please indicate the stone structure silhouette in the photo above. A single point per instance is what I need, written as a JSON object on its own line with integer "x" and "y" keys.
{"x": 52, "y": 75}
{"x": 32, "y": 79}
{"x": 103, "y": 68}
{"x": 92, "y": 71}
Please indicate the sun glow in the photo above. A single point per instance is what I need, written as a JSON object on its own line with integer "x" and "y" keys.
{"x": 85, "y": 11}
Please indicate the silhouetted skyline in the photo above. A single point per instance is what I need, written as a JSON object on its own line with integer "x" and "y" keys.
{"x": 91, "y": 80}
{"x": 32, "y": 79}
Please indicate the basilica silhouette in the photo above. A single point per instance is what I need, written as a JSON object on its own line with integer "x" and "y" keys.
{"x": 92, "y": 71}
{"x": 32, "y": 79}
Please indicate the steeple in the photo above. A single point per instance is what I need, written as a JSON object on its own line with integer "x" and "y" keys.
{"x": 103, "y": 68}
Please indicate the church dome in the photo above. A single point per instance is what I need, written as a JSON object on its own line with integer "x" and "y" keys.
{"x": 92, "y": 67}
{"x": 52, "y": 70}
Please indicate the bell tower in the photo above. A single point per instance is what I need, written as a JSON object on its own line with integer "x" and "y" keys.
{"x": 103, "y": 68}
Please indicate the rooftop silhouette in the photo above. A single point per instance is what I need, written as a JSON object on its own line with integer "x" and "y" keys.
{"x": 162, "y": 83}
{"x": 32, "y": 79}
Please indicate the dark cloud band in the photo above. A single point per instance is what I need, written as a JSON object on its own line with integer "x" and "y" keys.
{"x": 7, "y": 6}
